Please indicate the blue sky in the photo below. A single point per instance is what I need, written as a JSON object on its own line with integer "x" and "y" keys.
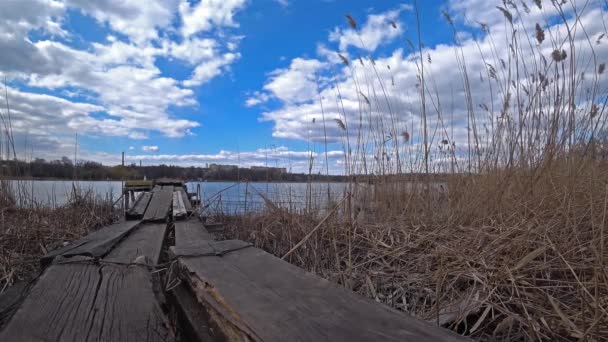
{"x": 227, "y": 81}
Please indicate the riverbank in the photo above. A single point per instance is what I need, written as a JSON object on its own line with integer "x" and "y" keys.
{"x": 26, "y": 234}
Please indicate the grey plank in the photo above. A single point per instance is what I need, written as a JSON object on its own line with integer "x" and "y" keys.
{"x": 185, "y": 199}
{"x": 179, "y": 209}
{"x": 128, "y": 308}
{"x": 268, "y": 299}
{"x": 86, "y": 302}
{"x": 96, "y": 244}
{"x": 159, "y": 204}
{"x": 11, "y": 299}
{"x": 146, "y": 241}
{"x": 191, "y": 230}
{"x": 139, "y": 207}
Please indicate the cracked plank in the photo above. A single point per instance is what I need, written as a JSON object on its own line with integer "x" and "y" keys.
{"x": 257, "y": 295}
{"x": 87, "y": 302}
{"x": 159, "y": 206}
{"x": 96, "y": 244}
{"x": 146, "y": 241}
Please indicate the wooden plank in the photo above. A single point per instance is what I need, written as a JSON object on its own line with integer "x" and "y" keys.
{"x": 146, "y": 241}
{"x": 192, "y": 320}
{"x": 140, "y": 205}
{"x": 185, "y": 199}
{"x": 258, "y": 296}
{"x": 87, "y": 302}
{"x": 179, "y": 209}
{"x": 159, "y": 204}
{"x": 96, "y": 244}
{"x": 191, "y": 230}
{"x": 11, "y": 299}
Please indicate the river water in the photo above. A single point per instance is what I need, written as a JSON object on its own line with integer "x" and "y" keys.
{"x": 226, "y": 197}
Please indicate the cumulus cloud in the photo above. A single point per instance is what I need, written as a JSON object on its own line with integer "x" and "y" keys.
{"x": 151, "y": 148}
{"x": 206, "y": 71}
{"x": 138, "y": 20}
{"x": 377, "y": 101}
{"x": 111, "y": 87}
{"x": 378, "y": 29}
{"x": 294, "y": 84}
{"x": 208, "y": 14}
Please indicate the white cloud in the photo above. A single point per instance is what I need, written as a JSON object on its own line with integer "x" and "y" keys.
{"x": 151, "y": 148}
{"x": 297, "y": 161}
{"x": 256, "y": 98}
{"x": 380, "y": 101}
{"x": 206, "y": 71}
{"x": 139, "y": 20}
{"x": 297, "y": 83}
{"x": 208, "y": 14}
{"x": 378, "y": 29}
{"x": 128, "y": 94}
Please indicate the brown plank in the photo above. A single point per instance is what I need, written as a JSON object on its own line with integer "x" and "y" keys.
{"x": 266, "y": 299}
{"x": 191, "y": 318}
{"x": 86, "y": 302}
{"x": 96, "y": 244}
{"x": 191, "y": 230}
{"x": 159, "y": 204}
{"x": 146, "y": 241}
{"x": 140, "y": 205}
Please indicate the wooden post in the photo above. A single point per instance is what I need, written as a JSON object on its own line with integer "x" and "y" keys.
{"x": 123, "y": 159}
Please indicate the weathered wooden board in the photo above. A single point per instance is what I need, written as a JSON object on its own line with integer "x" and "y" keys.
{"x": 87, "y": 302}
{"x": 185, "y": 199}
{"x": 11, "y": 299}
{"x": 179, "y": 209}
{"x": 257, "y": 295}
{"x": 192, "y": 319}
{"x": 146, "y": 241}
{"x": 191, "y": 230}
{"x": 140, "y": 205}
{"x": 159, "y": 204}
{"x": 96, "y": 244}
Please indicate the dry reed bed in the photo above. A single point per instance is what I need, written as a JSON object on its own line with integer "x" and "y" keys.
{"x": 28, "y": 233}
{"x": 503, "y": 257}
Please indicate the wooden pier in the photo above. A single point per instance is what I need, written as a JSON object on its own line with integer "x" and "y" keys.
{"x": 164, "y": 277}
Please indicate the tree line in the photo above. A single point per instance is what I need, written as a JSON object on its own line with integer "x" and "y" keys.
{"x": 64, "y": 168}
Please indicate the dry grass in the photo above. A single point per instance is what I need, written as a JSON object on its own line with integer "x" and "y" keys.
{"x": 26, "y": 234}
{"x": 494, "y": 258}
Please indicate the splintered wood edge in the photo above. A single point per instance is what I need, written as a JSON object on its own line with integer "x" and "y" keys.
{"x": 221, "y": 313}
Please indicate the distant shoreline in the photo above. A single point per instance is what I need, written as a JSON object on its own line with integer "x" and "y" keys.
{"x": 187, "y": 181}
